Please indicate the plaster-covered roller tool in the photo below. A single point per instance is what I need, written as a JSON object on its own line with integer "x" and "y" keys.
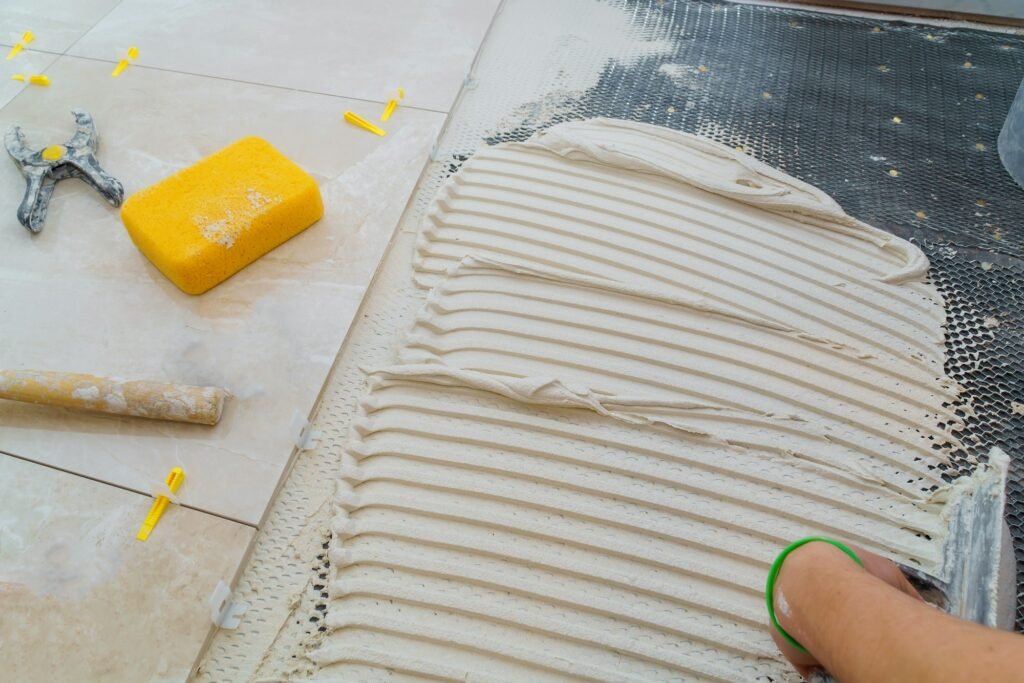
{"x": 153, "y": 400}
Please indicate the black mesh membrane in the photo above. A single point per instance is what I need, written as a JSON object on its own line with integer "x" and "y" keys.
{"x": 897, "y": 121}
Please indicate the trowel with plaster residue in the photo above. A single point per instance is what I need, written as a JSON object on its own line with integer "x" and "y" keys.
{"x": 977, "y": 580}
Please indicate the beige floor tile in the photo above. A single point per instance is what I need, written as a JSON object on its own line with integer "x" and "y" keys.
{"x": 27, "y": 63}
{"x": 57, "y": 24}
{"x": 80, "y": 297}
{"x": 346, "y": 47}
{"x": 82, "y": 600}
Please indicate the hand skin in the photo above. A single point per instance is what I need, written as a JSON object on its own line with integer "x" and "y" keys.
{"x": 869, "y": 624}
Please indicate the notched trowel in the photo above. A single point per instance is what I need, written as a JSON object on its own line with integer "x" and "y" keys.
{"x": 977, "y": 579}
{"x": 978, "y": 576}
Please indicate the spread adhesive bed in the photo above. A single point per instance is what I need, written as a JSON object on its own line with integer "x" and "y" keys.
{"x": 646, "y": 363}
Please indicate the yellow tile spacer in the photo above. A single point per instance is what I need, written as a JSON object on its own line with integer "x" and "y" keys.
{"x": 357, "y": 120}
{"x": 133, "y": 54}
{"x": 392, "y": 104}
{"x": 37, "y": 79}
{"x": 26, "y": 38}
{"x": 173, "y": 481}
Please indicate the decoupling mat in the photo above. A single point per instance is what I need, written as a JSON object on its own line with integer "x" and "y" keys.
{"x": 897, "y": 122}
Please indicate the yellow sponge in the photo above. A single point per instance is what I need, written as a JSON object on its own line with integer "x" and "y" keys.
{"x": 205, "y": 223}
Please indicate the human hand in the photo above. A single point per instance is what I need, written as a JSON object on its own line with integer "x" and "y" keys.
{"x": 824, "y": 564}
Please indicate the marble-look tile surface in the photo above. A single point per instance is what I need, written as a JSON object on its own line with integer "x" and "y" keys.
{"x": 82, "y": 600}
{"x": 345, "y": 47}
{"x": 80, "y": 297}
{"x": 57, "y": 24}
{"x": 26, "y": 63}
